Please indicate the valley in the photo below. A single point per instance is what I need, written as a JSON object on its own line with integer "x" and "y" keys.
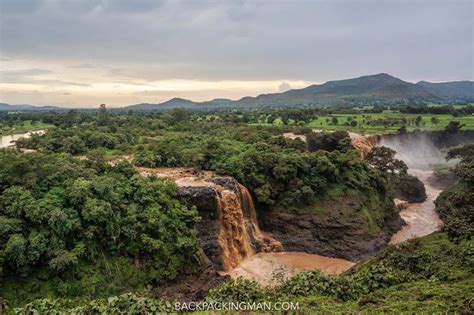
{"x": 236, "y": 157}
{"x": 251, "y": 205}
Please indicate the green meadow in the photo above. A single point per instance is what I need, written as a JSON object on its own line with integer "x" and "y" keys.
{"x": 374, "y": 123}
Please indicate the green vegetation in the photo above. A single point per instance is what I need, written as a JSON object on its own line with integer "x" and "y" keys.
{"x": 66, "y": 222}
{"x": 378, "y": 120}
{"x": 278, "y": 171}
{"x": 428, "y": 274}
{"x": 78, "y": 224}
{"x": 23, "y": 127}
{"x": 388, "y": 121}
{"x": 456, "y": 204}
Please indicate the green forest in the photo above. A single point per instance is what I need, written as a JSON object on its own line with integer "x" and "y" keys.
{"x": 81, "y": 231}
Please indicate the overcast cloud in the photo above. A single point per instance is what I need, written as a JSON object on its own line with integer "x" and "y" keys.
{"x": 77, "y": 47}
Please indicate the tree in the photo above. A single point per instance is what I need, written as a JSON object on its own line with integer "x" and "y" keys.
{"x": 178, "y": 115}
{"x": 465, "y": 167}
{"x": 74, "y": 145}
{"x": 326, "y": 141}
{"x": 453, "y": 127}
{"x": 418, "y": 121}
{"x": 464, "y": 153}
{"x": 383, "y": 159}
{"x": 271, "y": 118}
{"x": 334, "y": 120}
{"x": 71, "y": 118}
{"x": 102, "y": 116}
{"x": 402, "y": 130}
{"x": 434, "y": 121}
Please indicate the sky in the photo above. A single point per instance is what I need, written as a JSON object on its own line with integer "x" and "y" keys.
{"x": 82, "y": 53}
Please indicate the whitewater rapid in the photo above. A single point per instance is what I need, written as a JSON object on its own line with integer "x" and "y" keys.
{"x": 421, "y": 218}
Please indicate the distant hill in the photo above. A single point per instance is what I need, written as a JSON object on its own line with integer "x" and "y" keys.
{"x": 382, "y": 89}
{"x": 372, "y": 89}
{"x": 11, "y": 108}
{"x": 458, "y": 90}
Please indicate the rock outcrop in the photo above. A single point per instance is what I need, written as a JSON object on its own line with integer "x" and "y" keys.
{"x": 334, "y": 235}
{"x": 408, "y": 187}
{"x": 228, "y": 231}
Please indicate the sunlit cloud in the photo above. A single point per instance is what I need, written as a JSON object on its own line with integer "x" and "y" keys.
{"x": 83, "y": 53}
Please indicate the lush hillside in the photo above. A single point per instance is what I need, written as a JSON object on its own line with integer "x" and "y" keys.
{"x": 461, "y": 90}
{"x": 79, "y": 228}
{"x": 456, "y": 204}
{"x": 8, "y": 107}
{"x": 430, "y": 274}
{"x": 372, "y": 89}
{"x": 365, "y": 90}
{"x": 66, "y": 221}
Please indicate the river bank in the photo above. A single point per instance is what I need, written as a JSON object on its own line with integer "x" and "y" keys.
{"x": 9, "y": 140}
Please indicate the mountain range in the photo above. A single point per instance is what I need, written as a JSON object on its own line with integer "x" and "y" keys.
{"x": 366, "y": 90}
{"x": 8, "y": 107}
{"x": 380, "y": 88}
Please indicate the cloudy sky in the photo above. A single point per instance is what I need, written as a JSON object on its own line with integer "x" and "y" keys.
{"x": 83, "y": 53}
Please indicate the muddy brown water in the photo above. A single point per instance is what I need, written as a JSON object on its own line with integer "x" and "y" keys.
{"x": 236, "y": 230}
{"x": 9, "y": 141}
{"x": 267, "y": 267}
{"x": 421, "y": 218}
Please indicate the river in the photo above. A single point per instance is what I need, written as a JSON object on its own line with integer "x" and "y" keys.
{"x": 265, "y": 268}
{"x": 9, "y": 141}
{"x": 421, "y": 219}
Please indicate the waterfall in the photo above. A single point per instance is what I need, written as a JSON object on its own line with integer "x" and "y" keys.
{"x": 234, "y": 240}
{"x": 239, "y": 234}
{"x": 226, "y": 204}
{"x": 265, "y": 241}
{"x": 363, "y": 144}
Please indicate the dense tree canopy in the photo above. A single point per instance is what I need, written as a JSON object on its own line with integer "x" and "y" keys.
{"x": 56, "y": 211}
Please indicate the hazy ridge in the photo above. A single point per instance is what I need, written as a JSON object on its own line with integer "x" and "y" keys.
{"x": 365, "y": 90}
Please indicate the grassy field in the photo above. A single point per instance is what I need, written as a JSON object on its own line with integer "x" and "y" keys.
{"x": 364, "y": 124}
{"x": 23, "y": 128}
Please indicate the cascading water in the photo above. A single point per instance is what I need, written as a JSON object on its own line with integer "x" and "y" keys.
{"x": 234, "y": 239}
{"x": 268, "y": 258}
{"x": 421, "y": 218}
{"x": 242, "y": 249}
{"x": 239, "y": 233}
{"x": 420, "y": 154}
{"x": 363, "y": 144}
{"x": 265, "y": 241}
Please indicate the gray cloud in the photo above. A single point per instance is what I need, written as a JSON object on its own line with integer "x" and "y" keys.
{"x": 23, "y": 73}
{"x": 247, "y": 40}
{"x": 29, "y": 76}
{"x": 83, "y": 66}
